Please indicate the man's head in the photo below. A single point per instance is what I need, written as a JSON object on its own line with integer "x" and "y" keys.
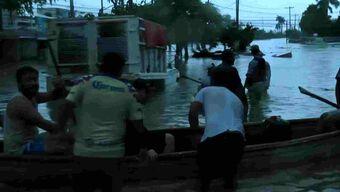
{"x": 228, "y": 57}
{"x": 220, "y": 78}
{"x": 28, "y": 81}
{"x": 255, "y": 50}
{"x": 112, "y": 63}
{"x": 144, "y": 90}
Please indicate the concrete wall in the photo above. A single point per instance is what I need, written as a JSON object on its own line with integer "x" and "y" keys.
{"x": 28, "y": 49}
{"x": 9, "y": 51}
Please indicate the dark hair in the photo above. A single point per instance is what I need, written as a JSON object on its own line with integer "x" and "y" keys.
{"x": 112, "y": 63}
{"x": 23, "y": 71}
{"x": 142, "y": 84}
{"x": 222, "y": 78}
{"x": 228, "y": 55}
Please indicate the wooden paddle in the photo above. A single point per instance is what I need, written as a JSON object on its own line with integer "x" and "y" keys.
{"x": 54, "y": 59}
{"x": 189, "y": 78}
{"x": 304, "y": 91}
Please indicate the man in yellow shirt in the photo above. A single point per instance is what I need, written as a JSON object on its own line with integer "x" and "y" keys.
{"x": 103, "y": 104}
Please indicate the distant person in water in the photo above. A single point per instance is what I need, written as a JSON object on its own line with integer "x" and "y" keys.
{"x": 331, "y": 120}
{"x": 233, "y": 77}
{"x": 157, "y": 144}
{"x": 258, "y": 74}
{"x": 22, "y": 118}
{"x": 223, "y": 140}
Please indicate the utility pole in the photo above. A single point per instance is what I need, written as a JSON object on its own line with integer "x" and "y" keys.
{"x": 237, "y": 12}
{"x": 286, "y": 32}
{"x": 72, "y": 14}
{"x": 290, "y": 20}
{"x": 295, "y": 21}
{"x": 102, "y": 7}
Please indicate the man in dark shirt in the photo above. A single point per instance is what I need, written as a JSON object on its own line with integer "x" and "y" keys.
{"x": 331, "y": 120}
{"x": 259, "y": 73}
{"x": 227, "y": 67}
{"x": 337, "y": 87}
{"x": 157, "y": 144}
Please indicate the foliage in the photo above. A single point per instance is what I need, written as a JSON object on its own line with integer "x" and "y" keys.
{"x": 280, "y": 22}
{"x": 325, "y": 5}
{"x": 89, "y": 16}
{"x": 247, "y": 36}
{"x": 192, "y": 21}
{"x": 186, "y": 21}
{"x": 262, "y": 34}
{"x": 315, "y": 21}
{"x": 22, "y": 6}
{"x": 233, "y": 35}
{"x": 293, "y": 34}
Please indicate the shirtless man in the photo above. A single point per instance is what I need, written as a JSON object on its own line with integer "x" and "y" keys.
{"x": 22, "y": 118}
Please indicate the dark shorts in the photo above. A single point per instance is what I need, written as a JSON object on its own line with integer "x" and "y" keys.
{"x": 220, "y": 155}
{"x": 155, "y": 141}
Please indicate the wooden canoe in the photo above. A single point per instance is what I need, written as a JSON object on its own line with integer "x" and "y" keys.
{"x": 307, "y": 145}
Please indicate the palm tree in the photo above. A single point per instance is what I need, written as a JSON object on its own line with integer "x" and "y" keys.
{"x": 280, "y": 22}
{"x": 325, "y": 5}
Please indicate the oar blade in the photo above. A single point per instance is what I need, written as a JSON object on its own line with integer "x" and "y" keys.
{"x": 303, "y": 91}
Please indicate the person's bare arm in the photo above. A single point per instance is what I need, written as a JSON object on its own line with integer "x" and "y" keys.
{"x": 195, "y": 109}
{"x": 58, "y": 92}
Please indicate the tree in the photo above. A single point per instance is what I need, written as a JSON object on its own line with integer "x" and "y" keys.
{"x": 280, "y": 22}
{"x": 325, "y": 5}
{"x": 22, "y": 6}
{"x": 315, "y": 21}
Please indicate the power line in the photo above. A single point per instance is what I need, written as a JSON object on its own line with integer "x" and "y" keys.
{"x": 81, "y": 7}
{"x": 278, "y": 8}
{"x": 249, "y": 11}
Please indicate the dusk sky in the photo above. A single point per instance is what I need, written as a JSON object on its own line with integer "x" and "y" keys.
{"x": 261, "y": 13}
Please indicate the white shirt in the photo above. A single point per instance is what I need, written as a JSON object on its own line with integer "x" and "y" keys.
{"x": 222, "y": 109}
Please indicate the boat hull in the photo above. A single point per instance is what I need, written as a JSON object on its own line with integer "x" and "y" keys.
{"x": 261, "y": 157}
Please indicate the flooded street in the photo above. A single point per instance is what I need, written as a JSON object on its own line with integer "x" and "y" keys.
{"x": 312, "y": 66}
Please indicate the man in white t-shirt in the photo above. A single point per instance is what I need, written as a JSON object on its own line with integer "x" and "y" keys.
{"x": 222, "y": 143}
{"x": 331, "y": 119}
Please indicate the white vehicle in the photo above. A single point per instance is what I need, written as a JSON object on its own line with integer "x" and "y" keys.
{"x": 80, "y": 44}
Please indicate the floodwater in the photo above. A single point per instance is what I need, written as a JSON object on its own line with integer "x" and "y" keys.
{"x": 312, "y": 66}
